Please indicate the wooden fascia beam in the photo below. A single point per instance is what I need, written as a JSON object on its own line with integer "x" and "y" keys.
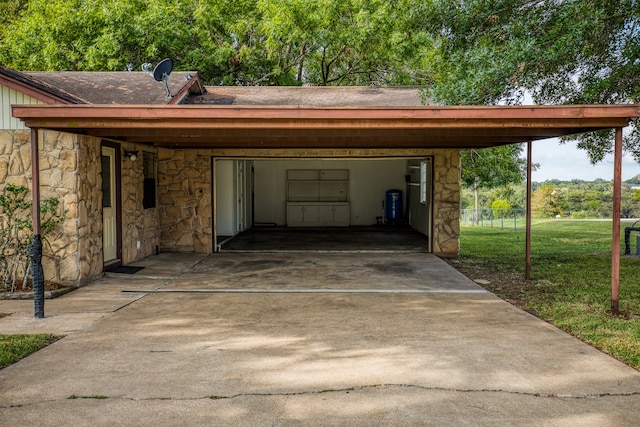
{"x": 546, "y": 112}
{"x": 189, "y": 117}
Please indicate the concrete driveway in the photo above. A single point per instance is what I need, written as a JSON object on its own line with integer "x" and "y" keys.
{"x": 304, "y": 339}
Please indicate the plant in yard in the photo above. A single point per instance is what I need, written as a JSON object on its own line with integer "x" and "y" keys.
{"x": 546, "y": 201}
{"x": 501, "y": 208}
{"x": 16, "y": 233}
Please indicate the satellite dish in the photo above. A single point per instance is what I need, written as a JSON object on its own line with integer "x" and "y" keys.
{"x": 162, "y": 71}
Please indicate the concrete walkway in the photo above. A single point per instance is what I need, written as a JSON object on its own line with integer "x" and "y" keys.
{"x": 304, "y": 339}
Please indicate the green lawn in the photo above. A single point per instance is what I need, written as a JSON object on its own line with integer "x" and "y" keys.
{"x": 571, "y": 279}
{"x": 15, "y": 347}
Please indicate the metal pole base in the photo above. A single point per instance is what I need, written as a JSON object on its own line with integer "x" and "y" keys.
{"x": 35, "y": 253}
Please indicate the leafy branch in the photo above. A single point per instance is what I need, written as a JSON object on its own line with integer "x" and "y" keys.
{"x": 16, "y": 233}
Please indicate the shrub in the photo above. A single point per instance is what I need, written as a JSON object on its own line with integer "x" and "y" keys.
{"x": 501, "y": 208}
{"x": 16, "y": 233}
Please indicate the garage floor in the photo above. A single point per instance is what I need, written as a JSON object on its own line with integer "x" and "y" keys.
{"x": 327, "y": 239}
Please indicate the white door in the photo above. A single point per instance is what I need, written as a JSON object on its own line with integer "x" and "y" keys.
{"x": 109, "y": 223}
{"x": 225, "y": 218}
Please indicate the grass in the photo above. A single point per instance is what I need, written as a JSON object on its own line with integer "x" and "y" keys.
{"x": 571, "y": 279}
{"x": 16, "y": 347}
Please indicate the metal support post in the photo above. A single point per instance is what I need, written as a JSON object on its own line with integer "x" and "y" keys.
{"x": 35, "y": 251}
{"x": 615, "y": 238}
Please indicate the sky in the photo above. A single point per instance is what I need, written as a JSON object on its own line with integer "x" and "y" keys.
{"x": 566, "y": 162}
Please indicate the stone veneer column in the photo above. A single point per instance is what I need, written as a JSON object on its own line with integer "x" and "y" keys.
{"x": 138, "y": 224}
{"x": 446, "y": 203}
{"x": 90, "y": 257}
{"x": 184, "y": 197}
{"x": 65, "y": 175}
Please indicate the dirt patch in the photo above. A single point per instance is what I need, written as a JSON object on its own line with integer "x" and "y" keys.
{"x": 51, "y": 290}
{"x": 511, "y": 287}
{"x": 48, "y": 286}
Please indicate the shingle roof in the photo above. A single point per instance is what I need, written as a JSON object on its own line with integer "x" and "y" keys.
{"x": 314, "y": 96}
{"x": 119, "y": 87}
{"x": 35, "y": 86}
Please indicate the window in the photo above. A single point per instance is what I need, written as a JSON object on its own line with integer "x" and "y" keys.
{"x": 106, "y": 181}
{"x": 149, "y": 172}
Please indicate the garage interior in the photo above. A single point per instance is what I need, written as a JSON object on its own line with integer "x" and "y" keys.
{"x": 336, "y": 205}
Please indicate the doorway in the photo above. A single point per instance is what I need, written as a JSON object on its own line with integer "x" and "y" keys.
{"x": 233, "y": 197}
{"x": 352, "y": 190}
{"x": 111, "y": 216}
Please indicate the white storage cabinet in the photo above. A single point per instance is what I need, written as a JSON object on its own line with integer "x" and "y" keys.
{"x": 318, "y": 198}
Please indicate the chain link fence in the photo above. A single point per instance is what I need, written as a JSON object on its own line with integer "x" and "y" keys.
{"x": 504, "y": 219}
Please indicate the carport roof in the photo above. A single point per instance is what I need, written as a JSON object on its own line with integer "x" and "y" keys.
{"x": 302, "y": 126}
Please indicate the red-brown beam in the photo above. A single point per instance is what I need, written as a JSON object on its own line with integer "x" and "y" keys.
{"x": 615, "y": 238}
{"x": 527, "y": 264}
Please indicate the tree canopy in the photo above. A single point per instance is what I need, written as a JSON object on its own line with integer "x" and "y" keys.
{"x": 269, "y": 42}
{"x": 559, "y": 52}
{"x": 462, "y": 51}
{"x": 489, "y": 168}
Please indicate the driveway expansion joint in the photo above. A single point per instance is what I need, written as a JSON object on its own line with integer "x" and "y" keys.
{"x": 346, "y": 390}
{"x": 158, "y": 289}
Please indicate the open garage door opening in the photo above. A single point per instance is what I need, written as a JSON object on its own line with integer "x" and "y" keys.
{"x": 341, "y": 205}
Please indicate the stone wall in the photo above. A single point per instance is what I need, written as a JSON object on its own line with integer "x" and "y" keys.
{"x": 185, "y": 207}
{"x": 59, "y": 164}
{"x": 70, "y": 171}
{"x": 89, "y": 226}
{"x": 183, "y": 219}
{"x": 140, "y": 227}
{"x": 446, "y": 203}
{"x": 184, "y": 197}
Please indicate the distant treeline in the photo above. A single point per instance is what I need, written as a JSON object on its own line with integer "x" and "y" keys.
{"x": 574, "y": 199}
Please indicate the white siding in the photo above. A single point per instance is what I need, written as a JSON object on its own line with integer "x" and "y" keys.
{"x": 8, "y": 97}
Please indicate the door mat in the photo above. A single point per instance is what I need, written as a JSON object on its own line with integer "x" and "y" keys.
{"x": 126, "y": 269}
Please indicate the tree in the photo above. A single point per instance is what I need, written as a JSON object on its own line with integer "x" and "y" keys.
{"x": 500, "y": 208}
{"x": 242, "y": 42}
{"x": 217, "y": 38}
{"x": 491, "y": 167}
{"x": 10, "y": 10}
{"x": 572, "y": 51}
{"x": 546, "y": 201}
{"x": 514, "y": 194}
{"x": 94, "y": 35}
{"x": 352, "y": 42}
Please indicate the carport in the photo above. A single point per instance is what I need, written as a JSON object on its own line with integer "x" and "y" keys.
{"x": 343, "y": 132}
